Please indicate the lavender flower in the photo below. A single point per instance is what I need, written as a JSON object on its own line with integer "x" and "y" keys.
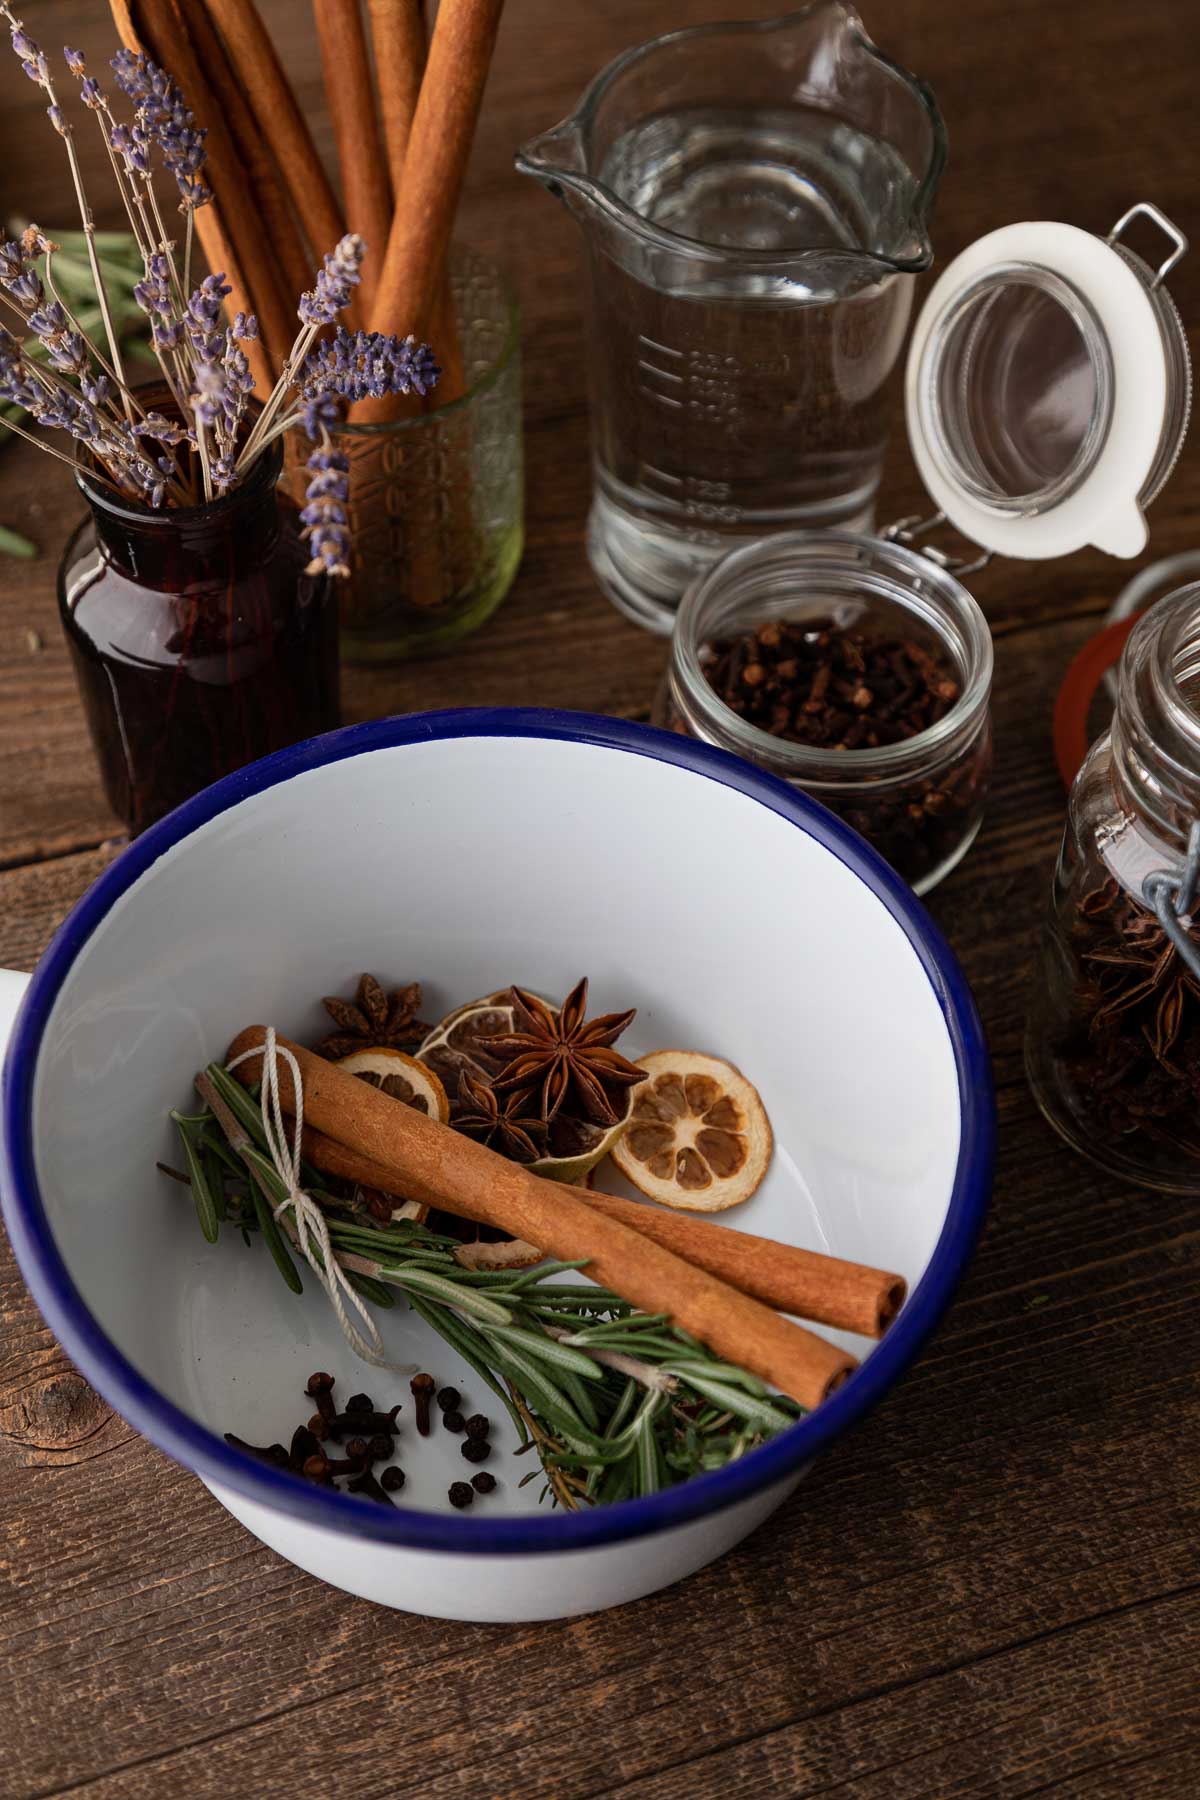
{"x": 361, "y": 364}
{"x": 153, "y": 291}
{"x": 338, "y": 276}
{"x": 163, "y": 121}
{"x": 325, "y": 518}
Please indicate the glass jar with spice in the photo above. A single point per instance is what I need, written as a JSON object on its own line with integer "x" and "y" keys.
{"x": 854, "y": 668}
{"x": 1113, "y": 1031}
{"x": 1048, "y": 390}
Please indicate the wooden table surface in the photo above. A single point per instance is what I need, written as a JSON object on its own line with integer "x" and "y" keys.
{"x": 991, "y": 1587}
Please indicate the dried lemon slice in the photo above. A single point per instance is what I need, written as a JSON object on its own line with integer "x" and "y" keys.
{"x": 410, "y": 1082}
{"x": 699, "y": 1138}
{"x": 400, "y": 1076}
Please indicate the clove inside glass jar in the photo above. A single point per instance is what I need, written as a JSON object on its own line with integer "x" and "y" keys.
{"x": 919, "y": 801}
{"x": 1112, "y": 1044}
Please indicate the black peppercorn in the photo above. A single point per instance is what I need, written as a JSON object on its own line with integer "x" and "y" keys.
{"x": 360, "y": 1403}
{"x": 478, "y": 1426}
{"x": 461, "y": 1493}
{"x": 448, "y": 1399}
{"x": 454, "y": 1421}
{"x": 483, "y": 1483}
{"x": 392, "y": 1480}
{"x": 380, "y": 1447}
{"x": 476, "y": 1449}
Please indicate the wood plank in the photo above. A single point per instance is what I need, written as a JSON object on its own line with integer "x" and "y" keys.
{"x": 989, "y": 1588}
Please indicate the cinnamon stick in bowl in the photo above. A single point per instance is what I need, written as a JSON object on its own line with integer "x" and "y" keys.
{"x": 441, "y": 1167}
{"x": 828, "y": 1290}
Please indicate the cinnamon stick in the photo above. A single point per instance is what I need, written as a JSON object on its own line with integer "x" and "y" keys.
{"x": 258, "y": 69}
{"x": 440, "y": 142}
{"x": 296, "y": 263}
{"x": 230, "y": 230}
{"x": 441, "y": 1167}
{"x": 350, "y": 95}
{"x": 825, "y": 1289}
{"x": 398, "y": 33}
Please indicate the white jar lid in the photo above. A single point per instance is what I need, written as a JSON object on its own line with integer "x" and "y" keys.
{"x": 1047, "y": 368}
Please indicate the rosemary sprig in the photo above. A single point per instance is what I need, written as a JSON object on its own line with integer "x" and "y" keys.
{"x": 618, "y": 1403}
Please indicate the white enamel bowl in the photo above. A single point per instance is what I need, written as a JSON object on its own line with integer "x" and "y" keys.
{"x": 465, "y": 850}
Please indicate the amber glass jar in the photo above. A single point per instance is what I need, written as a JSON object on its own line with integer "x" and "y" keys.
{"x": 1113, "y": 1029}
{"x": 198, "y": 641}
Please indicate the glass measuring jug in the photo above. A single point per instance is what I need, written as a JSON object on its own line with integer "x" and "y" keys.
{"x": 755, "y": 202}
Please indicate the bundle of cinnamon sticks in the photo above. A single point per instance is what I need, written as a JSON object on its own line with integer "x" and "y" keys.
{"x": 403, "y": 137}
{"x": 727, "y": 1288}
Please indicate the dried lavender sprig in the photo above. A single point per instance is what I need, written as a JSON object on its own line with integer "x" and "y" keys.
{"x": 325, "y": 517}
{"x": 165, "y": 122}
{"x": 335, "y": 283}
{"x": 36, "y": 240}
{"x": 38, "y": 70}
{"x": 95, "y": 99}
{"x": 351, "y": 366}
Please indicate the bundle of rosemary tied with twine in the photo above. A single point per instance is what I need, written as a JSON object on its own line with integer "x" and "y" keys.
{"x": 618, "y": 1402}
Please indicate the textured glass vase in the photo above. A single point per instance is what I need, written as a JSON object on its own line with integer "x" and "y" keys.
{"x": 437, "y": 501}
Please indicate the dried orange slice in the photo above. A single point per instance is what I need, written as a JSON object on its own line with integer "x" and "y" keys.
{"x": 699, "y": 1138}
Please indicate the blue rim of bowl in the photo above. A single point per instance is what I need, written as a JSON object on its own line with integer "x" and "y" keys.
{"x": 202, "y": 1451}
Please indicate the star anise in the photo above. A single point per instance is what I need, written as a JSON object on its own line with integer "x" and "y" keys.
{"x": 569, "y": 1063}
{"x": 508, "y": 1127}
{"x": 374, "y": 1018}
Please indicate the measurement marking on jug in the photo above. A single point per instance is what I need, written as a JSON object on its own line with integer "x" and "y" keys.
{"x": 652, "y": 344}
{"x": 653, "y": 474}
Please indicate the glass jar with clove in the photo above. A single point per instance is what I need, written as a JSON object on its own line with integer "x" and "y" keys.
{"x": 1113, "y": 1031}
{"x": 855, "y": 668}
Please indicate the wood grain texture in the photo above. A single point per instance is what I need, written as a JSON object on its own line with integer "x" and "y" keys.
{"x": 990, "y": 1588}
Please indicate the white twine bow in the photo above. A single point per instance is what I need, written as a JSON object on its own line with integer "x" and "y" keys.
{"x": 310, "y": 1220}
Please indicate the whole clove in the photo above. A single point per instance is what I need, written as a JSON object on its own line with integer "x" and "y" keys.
{"x": 422, "y": 1387}
{"x": 843, "y": 689}
{"x": 304, "y": 1445}
{"x": 369, "y": 1422}
{"x": 319, "y": 1426}
{"x": 476, "y": 1449}
{"x": 268, "y": 1453}
{"x": 319, "y": 1387}
{"x": 317, "y": 1468}
{"x": 460, "y": 1493}
{"x": 346, "y": 1465}
{"x": 359, "y": 1451}
{"x": 367, "y": 1484}
{"x": 360, "y": 1403}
